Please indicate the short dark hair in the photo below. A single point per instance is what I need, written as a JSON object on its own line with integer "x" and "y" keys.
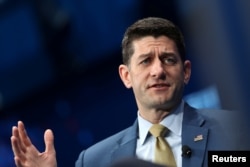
{"x": 151, "y": 26}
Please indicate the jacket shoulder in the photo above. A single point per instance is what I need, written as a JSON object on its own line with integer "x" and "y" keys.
{"x": 100, "y": 153}
{"x": 226, "y": 127}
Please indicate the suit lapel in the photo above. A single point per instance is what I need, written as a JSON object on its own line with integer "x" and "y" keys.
{"x": 195, "y": 136}
{"x": 126, "y": 146}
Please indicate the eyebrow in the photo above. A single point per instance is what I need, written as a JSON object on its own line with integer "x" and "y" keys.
{"x": 167, "y": 54}
{"x": 142, "y": 56}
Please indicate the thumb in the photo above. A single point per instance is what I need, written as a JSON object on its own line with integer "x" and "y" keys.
{"x": 49, "y": 141}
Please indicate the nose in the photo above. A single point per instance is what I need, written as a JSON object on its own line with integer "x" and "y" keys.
{"x": 157, "y": 69}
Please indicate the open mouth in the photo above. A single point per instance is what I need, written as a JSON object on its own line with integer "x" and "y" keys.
{"x": 163, "y": 85}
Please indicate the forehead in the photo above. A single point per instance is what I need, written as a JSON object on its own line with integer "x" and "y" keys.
{"x": 149, "y": 43}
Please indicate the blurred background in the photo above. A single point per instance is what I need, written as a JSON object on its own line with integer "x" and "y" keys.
{"x": 59, "y": 65}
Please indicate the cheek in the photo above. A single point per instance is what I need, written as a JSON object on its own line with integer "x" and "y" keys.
{"x": 138, "y": 80}
{"x": 137, "y": 73}
{"x": 135, "y": 81}
{"x": 177, "y": 76}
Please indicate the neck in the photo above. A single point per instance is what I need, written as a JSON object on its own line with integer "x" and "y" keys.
{"x": 154, "y": 116}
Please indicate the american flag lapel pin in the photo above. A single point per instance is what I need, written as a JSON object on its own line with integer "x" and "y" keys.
{"x": 198, "y": 138}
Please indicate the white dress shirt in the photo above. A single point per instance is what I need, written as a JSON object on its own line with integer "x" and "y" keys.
{"x": 146, "y": 143}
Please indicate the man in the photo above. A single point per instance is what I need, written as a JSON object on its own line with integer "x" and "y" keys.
{"x": 155, "y": 67}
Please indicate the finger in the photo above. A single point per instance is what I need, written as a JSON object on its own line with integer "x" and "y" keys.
{"x": 17, "y": 146}
{"x": 49, "y": 141}
{"x": 19, "y": 142}
{"x": 16, "y": 149}
{"x": 23, "y": 135}
{"x": 18, "y": 162}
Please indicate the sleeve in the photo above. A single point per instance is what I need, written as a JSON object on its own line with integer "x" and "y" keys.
{"x": 80, "y": 160}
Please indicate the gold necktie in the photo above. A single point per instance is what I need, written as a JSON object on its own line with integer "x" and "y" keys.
{"x": 163, "y": 152}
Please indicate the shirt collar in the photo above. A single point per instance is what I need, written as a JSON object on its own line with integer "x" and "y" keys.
{"x": 173, "y": 122}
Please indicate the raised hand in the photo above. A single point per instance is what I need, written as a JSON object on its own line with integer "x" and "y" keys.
{"x": 26, "y": 154}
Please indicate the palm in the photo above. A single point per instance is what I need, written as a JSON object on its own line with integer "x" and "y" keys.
{"x": 26, "y": 154}
{"x": 37, "y": 159}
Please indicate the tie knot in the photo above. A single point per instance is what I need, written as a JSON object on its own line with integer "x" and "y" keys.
{"x": 158, "y": 130}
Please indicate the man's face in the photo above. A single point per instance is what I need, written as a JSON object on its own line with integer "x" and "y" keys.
{"x": 156, "y": 73}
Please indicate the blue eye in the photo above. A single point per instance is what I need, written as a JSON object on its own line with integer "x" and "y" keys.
{"x": 169, "y": 60}
{"x": 146, "y": 61}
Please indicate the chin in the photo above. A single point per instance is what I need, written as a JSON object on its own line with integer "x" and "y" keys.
{"x": 168, "y": 104}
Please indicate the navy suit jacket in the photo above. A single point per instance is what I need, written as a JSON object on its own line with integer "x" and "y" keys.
{"x": 210, "y": 127}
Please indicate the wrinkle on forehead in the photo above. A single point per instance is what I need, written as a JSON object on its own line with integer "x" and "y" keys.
{"x": 151, "y": 45}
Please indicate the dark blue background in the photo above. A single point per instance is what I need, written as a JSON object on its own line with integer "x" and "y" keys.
{"x": 59, "y": 65}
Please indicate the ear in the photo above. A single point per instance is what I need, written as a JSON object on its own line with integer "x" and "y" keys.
{"x": 187, "y": 71}
{"x": 125, "y": 75}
